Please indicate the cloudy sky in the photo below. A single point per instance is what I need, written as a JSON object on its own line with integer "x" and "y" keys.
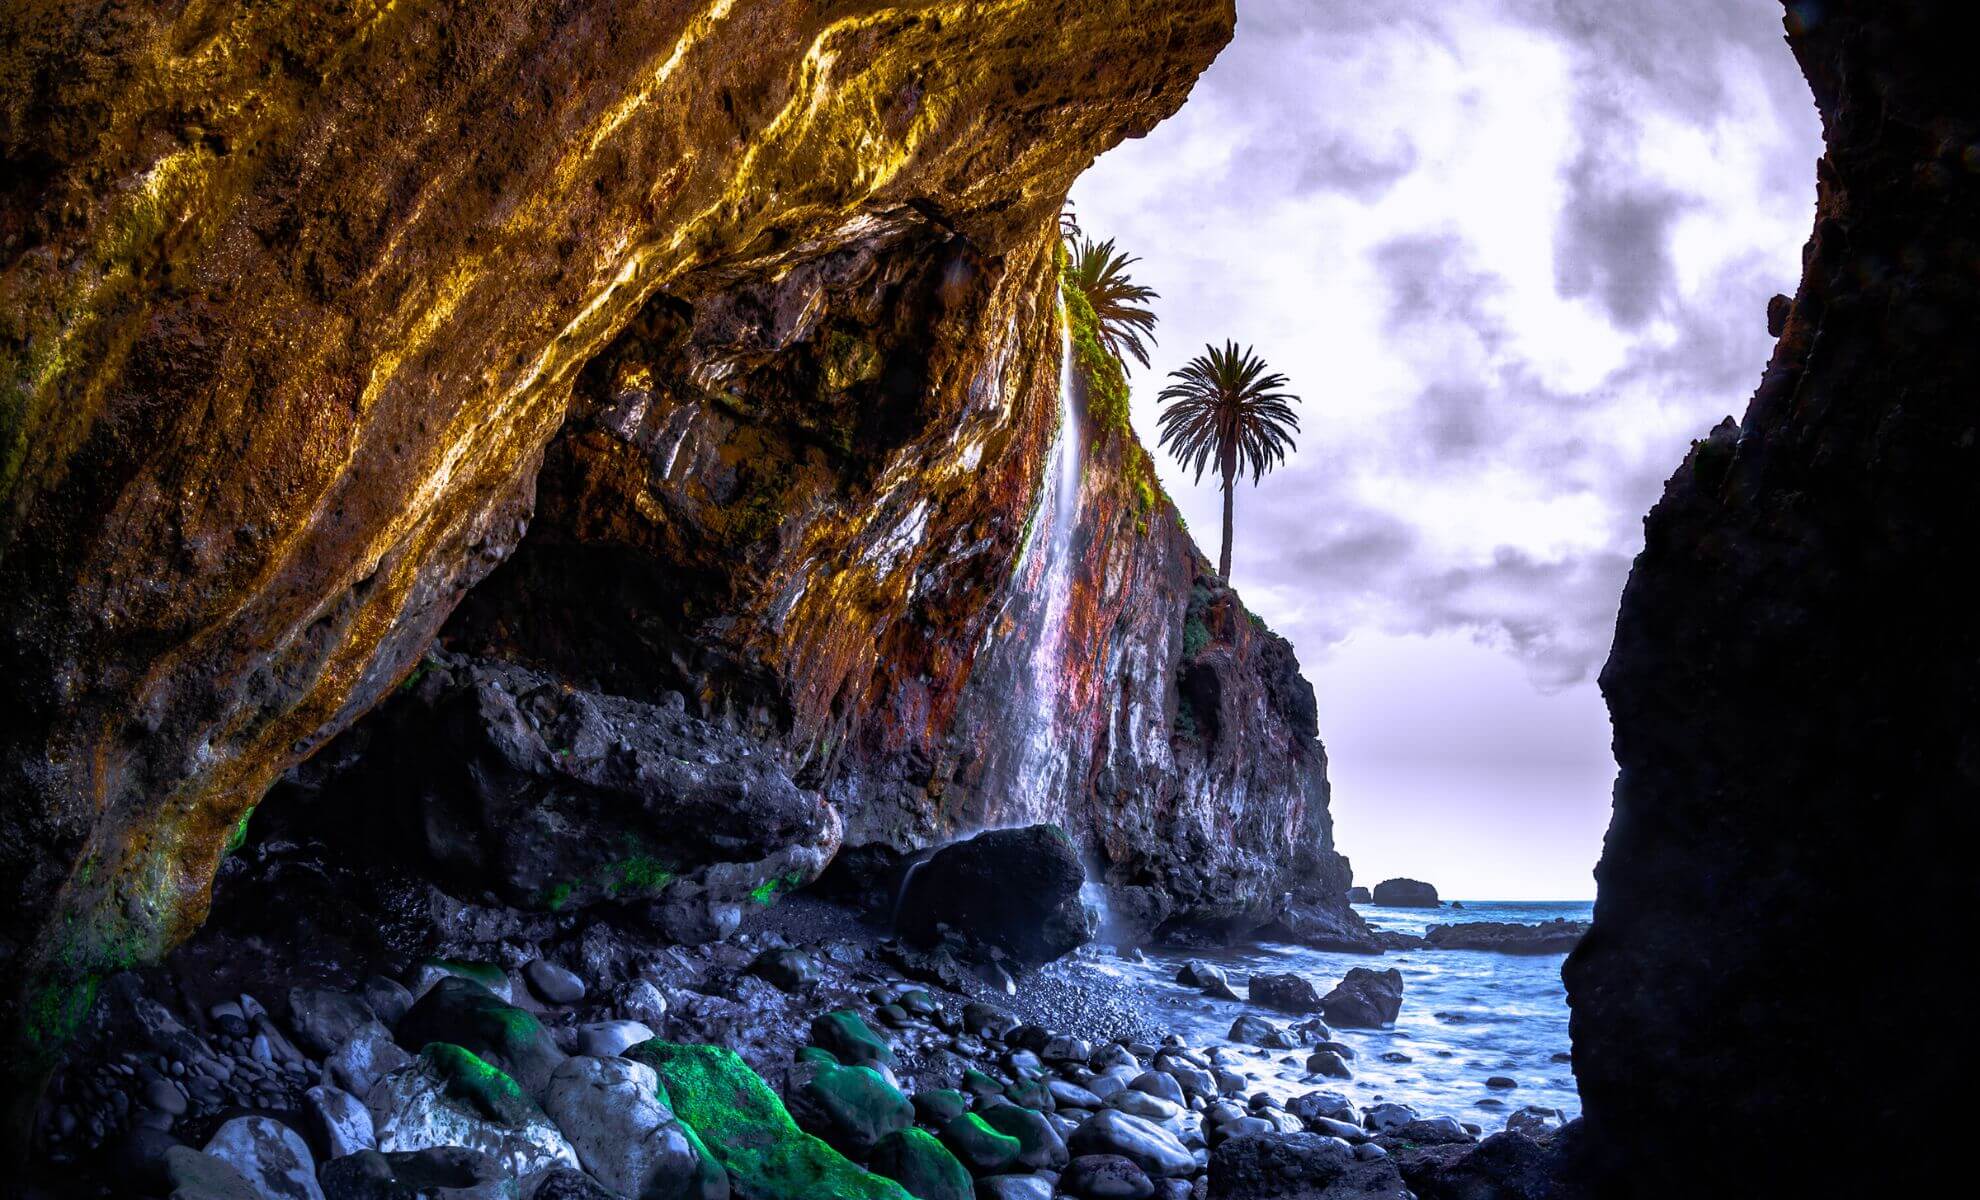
{"x": 1514, "y": 255}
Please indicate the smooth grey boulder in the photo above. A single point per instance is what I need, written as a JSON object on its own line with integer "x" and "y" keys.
{"x": 1387, "y": 1117}
{"x": 195, "y": 1176}
{"x": 324, "y": 1019}
{"x": 605, "y": 1039}
{"x": 343, "y": 1123}
{"x": 553, "y": 984}
{"x": 609, "y": 1110}
{"x": 367, "y": 1056}
{"x": 450, "y": 1097}
{"x": 1149, "y": 1146}
{"x": 1013, "y": 1187}
{"x": 272, "y": 1157}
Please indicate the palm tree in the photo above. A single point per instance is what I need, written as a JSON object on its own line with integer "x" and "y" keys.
{"x": 1226, "y": 405}
{"x": 1099, "y": 272}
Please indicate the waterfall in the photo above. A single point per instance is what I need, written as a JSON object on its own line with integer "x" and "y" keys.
{"x": 1048, "y": 558}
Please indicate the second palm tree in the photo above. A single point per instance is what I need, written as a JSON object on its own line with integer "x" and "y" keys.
{"x": 1226, "y": 406}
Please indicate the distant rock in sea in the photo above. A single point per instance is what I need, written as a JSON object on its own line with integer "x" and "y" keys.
{"x": 1359, "y": 895}
{"x": 1406, "y": 893}
{"x": 1551, "y": 937}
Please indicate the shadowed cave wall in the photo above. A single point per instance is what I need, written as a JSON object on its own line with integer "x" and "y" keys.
{"x": 1795, "y": 687}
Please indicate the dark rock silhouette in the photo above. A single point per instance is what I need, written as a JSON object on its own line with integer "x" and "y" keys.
{"x": 1794, "y": 676}
{"x": 1547, "y": 937}
{"x": 1015, "y": 889}
{"x": 1364, "y": 999}
{"x": 1405, "y": 893}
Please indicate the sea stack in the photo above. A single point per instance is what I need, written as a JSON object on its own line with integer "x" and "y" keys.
{"x": 1406, "y": 893}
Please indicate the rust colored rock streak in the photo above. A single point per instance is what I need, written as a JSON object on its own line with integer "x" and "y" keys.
{"x": 1795, "y": 686}
{"x": 293, "y": 297}
{"x": 805, "y": 504}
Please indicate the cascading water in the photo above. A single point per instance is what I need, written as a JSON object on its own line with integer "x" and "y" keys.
{"x": 1048, "y": 559}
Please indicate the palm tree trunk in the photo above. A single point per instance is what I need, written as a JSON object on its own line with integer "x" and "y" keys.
{"x": 1224, "y": 556}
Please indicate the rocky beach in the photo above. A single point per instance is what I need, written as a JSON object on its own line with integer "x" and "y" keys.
{"x": 821, "y": 1048}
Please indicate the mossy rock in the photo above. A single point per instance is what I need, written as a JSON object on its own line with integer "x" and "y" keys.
{"x": 464, "y": 1013}
{"x": 748, "y": 1131}
{"x": 1031, "y": 1093}
{"x": 475, "y": 1083}
{"x": 848, "y": 1038}
{"x": 817, "y": 1054}
{"x": 977, "y": 1083}
{"x": 922, "y": 1165}
{"x": 1040, "y": 1148}
{"x": 850, "y": 1107}
{"x": 937, "y": 1107}
{"x": 979, "y": 1147}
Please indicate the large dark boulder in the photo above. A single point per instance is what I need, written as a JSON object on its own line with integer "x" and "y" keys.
{"x": 463, "y": 1013}
{"x": 1286, "y": 992}
{"x": 1015, "y": 889}
{"x": 1405, "y": 893}
{"x": 1299, "y": 1166}
{"x": 497, "y": 778}
{"x": 1364, "y": 999}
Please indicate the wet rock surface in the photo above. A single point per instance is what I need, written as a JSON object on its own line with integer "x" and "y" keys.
{"x": 1015, "y": 889}
{"x": 855, "y": 1081}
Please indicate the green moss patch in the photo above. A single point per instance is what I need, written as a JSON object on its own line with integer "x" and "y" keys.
{"x": 922, "y": 1165}
{"x": 746, "y": 1128}
{"x": 849, "y": 1039}
{"x": 475, "y": 1083}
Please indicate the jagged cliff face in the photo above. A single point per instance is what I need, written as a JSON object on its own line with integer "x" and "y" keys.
{"x": 1794, "y": 685}
{"x": 867, "y": 512}
{"x": 296, "y": 297}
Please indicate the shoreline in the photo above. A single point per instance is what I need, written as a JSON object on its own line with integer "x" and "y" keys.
{"x": 163, "y": 1038}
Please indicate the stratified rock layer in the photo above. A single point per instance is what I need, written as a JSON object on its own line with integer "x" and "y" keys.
{"x": 1795, "y": 687}
{"x": 294, "y": 296}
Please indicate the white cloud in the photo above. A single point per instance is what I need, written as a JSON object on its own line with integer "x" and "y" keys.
{"x": 1514, "y": 256}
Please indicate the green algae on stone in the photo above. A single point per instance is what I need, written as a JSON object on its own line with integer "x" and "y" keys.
{"x": 1030, "y": 1093}
{"x": 922, "y": 1165}
{"x": 766, "y": 892}
{"x": 848, "y": 1038}
{"x": 238, "y": 838}
{"x": 980, "y": 1084}
{"x": 460, "y": 1011}
{"x": 937, "y": 1107}
{"x": 1039, "y": 1145}
{"x": 473, "y": 1081}
{"x": 748, "y": 1131}
{"x": 817, "y": 1054}
{"x": 979, "y": 1147}
{"x": 850, "y": 1107}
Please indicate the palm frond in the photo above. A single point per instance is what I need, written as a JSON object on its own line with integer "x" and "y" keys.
{"x": 1099, "y": 271}
{"x": 1228, "y": 409}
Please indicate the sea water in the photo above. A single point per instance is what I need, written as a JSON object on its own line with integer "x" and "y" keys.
{"x": 1467, "y": 1015}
